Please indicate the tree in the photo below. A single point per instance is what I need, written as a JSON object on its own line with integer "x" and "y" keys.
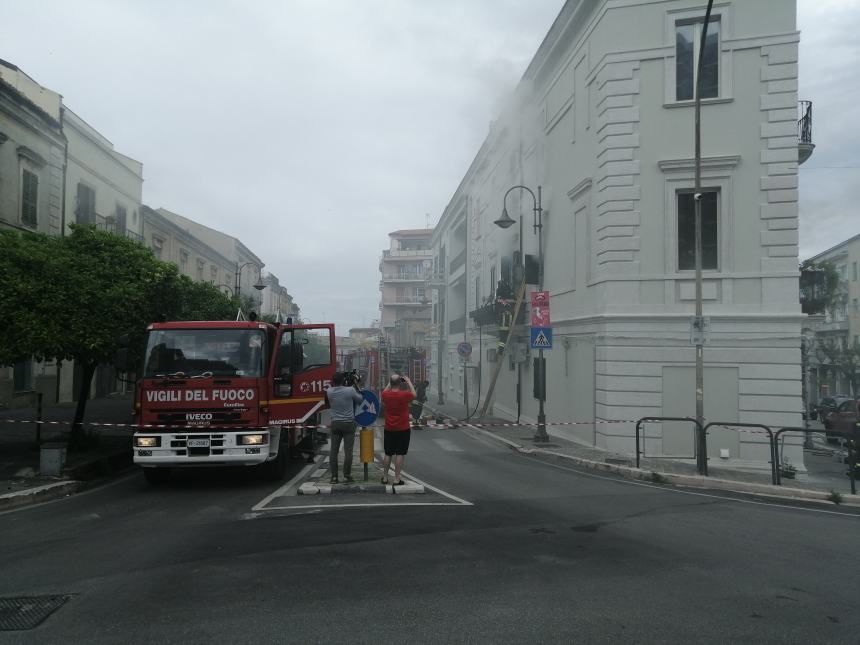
{"x": 843, "y": 358}
{"x": 73, "y": 297}
{"x": 821, "y": 287}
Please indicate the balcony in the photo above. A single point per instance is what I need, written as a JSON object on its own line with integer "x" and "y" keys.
{"x": 458, "y": 261}
{"x": 403, "y": 276}
{"x": 407, "y": 254}
{"x": 491, "y": 314}
{"x": 804, "y": 131}
{"x": 833, "y": 326}
{"x": 406, "y": 300}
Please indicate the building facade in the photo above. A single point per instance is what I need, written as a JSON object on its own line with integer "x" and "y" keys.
{"x": 277, "y": 301}
{"x": 246, "y": 268}
{"x": 194, "y": 258}
{"x": 57, "y": 170}
{"x": 601, "y": 129}
{"x": 32, "y": 165}
{"x": 404, "y": 305}
{"x": 838, "y": 328}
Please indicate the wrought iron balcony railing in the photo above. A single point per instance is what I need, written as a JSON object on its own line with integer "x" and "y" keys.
{"x": 804, "y": 131}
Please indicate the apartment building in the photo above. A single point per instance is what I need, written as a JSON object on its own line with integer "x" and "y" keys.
{"x": 600, "y": 128}
{"x": 56, "y": 170}
{"x": 404, "y": 306}
{"x": 839, "y": 325}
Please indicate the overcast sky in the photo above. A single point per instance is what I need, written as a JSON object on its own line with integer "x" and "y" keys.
{"x": 310, "y": 129}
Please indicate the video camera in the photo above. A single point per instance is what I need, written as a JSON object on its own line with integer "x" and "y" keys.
{"x": 352, "y": 378}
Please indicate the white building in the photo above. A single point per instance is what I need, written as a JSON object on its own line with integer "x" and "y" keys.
{"x": 403, "y": 303}
{"x": 602, "y": 120}
{"x": 56, "y": 170}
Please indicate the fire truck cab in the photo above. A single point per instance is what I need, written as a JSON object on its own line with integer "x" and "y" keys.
{"x": 230, "y": 394}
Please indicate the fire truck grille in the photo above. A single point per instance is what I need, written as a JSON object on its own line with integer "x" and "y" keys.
{"x": 219, "y": 417}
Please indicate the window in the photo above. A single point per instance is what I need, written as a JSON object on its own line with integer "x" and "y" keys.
{"x": 855, "y": 304}
{"x": 213, "y": 274}
{"x": 854, "y": 271}
{"x": 687, "y": 231}
{"x": 121, "y": 217}
{"x": 86, "y": 210}
{"x": 29, "y": 198}
{"x": 200, "y": 266}
{"x": 157, "y": 246}
{"x": 183, "y": 261}
{"x": 687, "y": 43}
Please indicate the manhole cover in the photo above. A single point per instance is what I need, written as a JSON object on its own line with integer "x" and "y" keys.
{"x": 27, "y": 613}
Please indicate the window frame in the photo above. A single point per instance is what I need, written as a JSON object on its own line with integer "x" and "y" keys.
{"x": 697, "y": 23}
{"x": 691, "y": 191}
{"x": 25, "y": 201}
{"x": 674, "y": 17}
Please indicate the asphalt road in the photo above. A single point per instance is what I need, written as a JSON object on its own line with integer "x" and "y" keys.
{"x": 532, "y": 552}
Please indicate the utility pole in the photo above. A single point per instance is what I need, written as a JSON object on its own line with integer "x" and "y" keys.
{"x": 701, "y": 451}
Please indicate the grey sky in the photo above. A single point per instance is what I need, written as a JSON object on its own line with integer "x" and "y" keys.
{"x": 310, "y": 129}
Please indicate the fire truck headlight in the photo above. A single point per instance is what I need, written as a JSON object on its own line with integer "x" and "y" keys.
{"x": 252, "y": 439}
{"x": 147, "y": 442}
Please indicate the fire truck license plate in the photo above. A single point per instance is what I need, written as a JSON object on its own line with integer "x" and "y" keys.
{"x": 198, "y": 443}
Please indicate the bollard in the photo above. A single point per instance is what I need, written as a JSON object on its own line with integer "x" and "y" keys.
{"x": 366, "y": 444}
{"x": 52, "y": 458}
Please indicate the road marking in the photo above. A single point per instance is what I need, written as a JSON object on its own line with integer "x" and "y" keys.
{"x": 688, "y": 492}
{"x": 359, "y": 505}
{"x": 447, "y": 444}
{"x": 438, "y": 490}
{"x": 282, "y": 490}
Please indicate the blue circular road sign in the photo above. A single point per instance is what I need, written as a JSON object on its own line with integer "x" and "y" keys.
{"x": 367, "y": 411}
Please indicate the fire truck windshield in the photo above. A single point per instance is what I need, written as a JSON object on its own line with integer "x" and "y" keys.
{"x": 201, "y": 353}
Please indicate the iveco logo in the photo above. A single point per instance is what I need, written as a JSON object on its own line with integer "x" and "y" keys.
{"x": 198, "y": 416}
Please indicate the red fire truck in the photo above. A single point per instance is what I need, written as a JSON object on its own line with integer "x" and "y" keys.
{"x": 229, "y": 394}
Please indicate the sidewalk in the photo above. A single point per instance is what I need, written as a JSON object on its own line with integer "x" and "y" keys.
{"x": 105, "y": 449}
{"x": 825, "y": 473}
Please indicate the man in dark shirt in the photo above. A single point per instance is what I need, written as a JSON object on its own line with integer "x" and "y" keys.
{"x": 342, "y": 399}
{"x": 396, "y": 397}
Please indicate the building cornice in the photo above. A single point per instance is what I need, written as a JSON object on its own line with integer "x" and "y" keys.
{"x": 582, "y": 186}
{"x": 726, "y": 162}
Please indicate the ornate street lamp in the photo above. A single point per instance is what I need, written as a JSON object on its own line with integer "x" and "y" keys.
{"x": 505, "y": 221}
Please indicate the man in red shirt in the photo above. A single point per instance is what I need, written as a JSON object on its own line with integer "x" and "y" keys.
{"x": 396, "y": 397}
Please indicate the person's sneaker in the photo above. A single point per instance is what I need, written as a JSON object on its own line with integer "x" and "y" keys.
{"x": 333, "y": 480}
{"x": 348, "y": 479}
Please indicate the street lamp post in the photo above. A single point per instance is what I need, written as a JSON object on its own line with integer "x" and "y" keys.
{"x": 505, "y": 221}
{"x": 699, "y": 323}
{"x": 259, "y": 286}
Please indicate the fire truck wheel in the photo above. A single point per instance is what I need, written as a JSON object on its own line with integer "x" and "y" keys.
{"x": 156, "y": 476}
{"x": 276, "y": 469}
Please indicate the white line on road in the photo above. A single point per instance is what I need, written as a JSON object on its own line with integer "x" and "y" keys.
{"x": 359, "y": 505}
{"x": 283, "y": 489}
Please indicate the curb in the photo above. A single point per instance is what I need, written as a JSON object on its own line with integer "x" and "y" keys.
{"x": 693, "y": 481}
{"x": 314, "y": 488}
{"x": 39, "y": 494}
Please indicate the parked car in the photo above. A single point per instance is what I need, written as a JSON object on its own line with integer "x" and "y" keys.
{"x": 825, "y": 406}
{"x": 840, "y": 422}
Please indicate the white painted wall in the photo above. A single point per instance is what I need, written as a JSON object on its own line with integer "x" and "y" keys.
{"x": 594, "y": 122}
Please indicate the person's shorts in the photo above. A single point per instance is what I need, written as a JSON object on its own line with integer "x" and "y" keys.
{"x": 396, "y": 442}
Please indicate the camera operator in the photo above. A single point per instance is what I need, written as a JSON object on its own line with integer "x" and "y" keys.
{"x": 342, "y": 399}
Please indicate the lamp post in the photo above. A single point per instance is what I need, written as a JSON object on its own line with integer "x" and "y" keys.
{"x": 229, "y": 288}
{"x": 505, "y": 221}
{"x": 698, "y": 322}
{"x": 259, "y": 286}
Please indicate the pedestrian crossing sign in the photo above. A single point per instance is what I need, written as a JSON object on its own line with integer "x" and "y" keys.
{"x": 541, "y": 337}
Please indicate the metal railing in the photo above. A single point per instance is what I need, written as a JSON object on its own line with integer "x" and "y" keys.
{"x": 701, "y": 460}
{"x": 804, "y": 123}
